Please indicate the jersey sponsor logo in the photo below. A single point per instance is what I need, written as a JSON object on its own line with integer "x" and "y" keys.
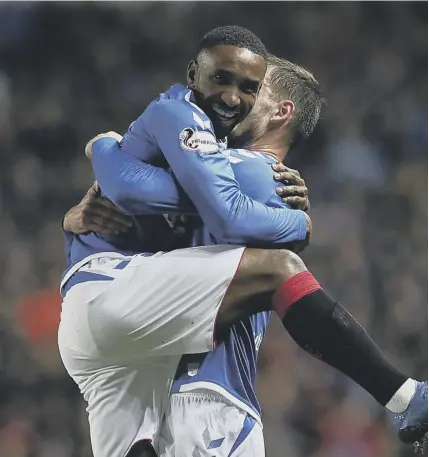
{"x": 204, "y": 141}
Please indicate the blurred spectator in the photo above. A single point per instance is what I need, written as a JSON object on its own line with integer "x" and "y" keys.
{"x": 69, "y": 71}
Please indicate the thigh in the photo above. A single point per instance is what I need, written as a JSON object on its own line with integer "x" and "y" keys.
{"x": 165, "y": 304}
{"x": 260, "y": 273}
{"x": 202, "y": 425}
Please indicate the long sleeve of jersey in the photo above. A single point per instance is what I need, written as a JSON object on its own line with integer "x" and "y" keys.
{"x": 134, "y": 186}
{"x": 185, "y": 136}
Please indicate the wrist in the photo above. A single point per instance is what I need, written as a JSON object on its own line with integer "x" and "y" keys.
{"x": 64, "y": 223}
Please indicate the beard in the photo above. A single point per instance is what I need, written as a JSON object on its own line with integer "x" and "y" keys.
{"x": 222, "y": 127}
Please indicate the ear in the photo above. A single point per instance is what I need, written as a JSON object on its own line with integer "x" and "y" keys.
{"x": 192, "y": 74}
{"x": 284, "y": 111}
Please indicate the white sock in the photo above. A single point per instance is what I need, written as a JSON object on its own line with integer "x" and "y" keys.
{"x": 401, "y": 399}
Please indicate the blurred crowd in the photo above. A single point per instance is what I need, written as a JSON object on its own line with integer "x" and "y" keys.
{"x": 69, "y": 71}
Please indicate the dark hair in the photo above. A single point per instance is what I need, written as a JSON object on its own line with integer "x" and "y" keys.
{"x": 233, "y": 35}
{"x": 288, "y": 80}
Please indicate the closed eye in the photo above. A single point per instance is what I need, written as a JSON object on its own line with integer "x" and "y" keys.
{"x": 250, "y": 87}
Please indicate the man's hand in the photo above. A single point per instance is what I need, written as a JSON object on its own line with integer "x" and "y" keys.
{"x": 294, "y": 192}
{"x": 88, "y": 147}
{"x": 96, "y": 214}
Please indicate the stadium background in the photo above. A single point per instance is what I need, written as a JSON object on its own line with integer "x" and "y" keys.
{"x": 69, "y": 71}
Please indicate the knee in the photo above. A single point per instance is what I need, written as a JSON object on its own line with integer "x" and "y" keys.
{"x": 269, "y": 267}
{"x": 286, "y": 264}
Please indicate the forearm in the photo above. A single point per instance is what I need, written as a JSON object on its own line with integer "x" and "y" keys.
{"x": 135, "y": 186}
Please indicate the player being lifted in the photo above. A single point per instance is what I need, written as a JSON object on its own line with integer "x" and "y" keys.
{"x": 125, "y": 327}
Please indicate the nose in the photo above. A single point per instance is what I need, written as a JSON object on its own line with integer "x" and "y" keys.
{"x": 231, "y": 98}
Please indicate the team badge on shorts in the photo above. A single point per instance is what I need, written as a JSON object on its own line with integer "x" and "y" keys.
{"x": 201, "y": 141}
{"x": 193, "y": 369}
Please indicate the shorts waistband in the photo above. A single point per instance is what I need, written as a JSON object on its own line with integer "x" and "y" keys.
{"x": 202, "y": 395}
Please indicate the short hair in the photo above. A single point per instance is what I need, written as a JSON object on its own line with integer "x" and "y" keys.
{"x": 289, "y": 80}
{"x": 233, "y": 35}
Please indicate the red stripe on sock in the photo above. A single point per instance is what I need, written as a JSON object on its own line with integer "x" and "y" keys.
{"x": 292, "y": 290}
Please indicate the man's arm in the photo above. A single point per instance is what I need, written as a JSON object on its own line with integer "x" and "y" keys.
{"x": 130, "y": 180}
{"x": 134, "y": 186}
{"x": 95, "y": 213}
{"x": 207, "y": 177}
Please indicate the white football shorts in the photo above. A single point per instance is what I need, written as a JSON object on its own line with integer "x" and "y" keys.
{"x": 205, "y": 424}
{"x": 121, "y": 340}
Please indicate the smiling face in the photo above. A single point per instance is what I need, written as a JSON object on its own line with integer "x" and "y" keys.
{"x": 256, "y": 123}
{"x": 226, "y": 80}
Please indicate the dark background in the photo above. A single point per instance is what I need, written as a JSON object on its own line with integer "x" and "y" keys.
{"x": 69, "y": 71}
